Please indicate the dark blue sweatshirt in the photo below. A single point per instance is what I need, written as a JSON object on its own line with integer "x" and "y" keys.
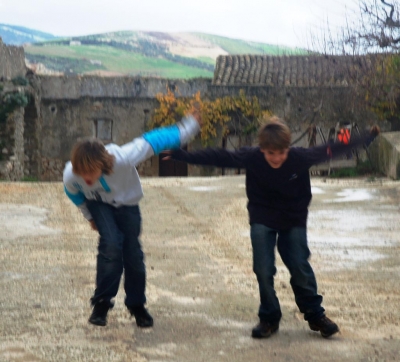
{"x": 277, "y": 198}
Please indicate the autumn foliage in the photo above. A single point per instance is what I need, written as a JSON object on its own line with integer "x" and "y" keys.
{"x": 232, "y": 115}
{"x": 383, "y": 90}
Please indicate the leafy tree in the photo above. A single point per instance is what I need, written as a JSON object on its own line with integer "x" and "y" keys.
{"x": 9, "y": 102}
{"x": 232, "y": 115}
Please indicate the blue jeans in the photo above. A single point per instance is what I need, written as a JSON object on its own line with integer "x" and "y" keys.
{"x": 293, "y": 248}
{"x": 119, "y": 250}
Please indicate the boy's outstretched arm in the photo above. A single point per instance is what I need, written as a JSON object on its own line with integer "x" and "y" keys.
{"x": 323, "y": 153}
{"x": 164, "y": 138}
{"x": 212, "y": 157}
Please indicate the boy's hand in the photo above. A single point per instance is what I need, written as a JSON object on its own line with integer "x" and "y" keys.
{"x": 196, "y": 113}
{"x": 168, "y": 157}
{"x": 177, "y": 154}
{"x": 375, "y": 130}
{"x": 93, "y": 225}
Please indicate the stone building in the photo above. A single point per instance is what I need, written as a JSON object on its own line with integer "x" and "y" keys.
{"x": 12, "y": 65}
{"x": 304, "y": 90}
{"x": 112, "y": 109}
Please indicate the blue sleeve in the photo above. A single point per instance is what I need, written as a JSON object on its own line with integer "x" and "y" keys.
{"x": 77, "y": 199}
{"x": 165, "y": 138}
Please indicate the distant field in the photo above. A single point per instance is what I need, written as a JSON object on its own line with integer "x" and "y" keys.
{"x": 236, "y": 46}
{"x": 157, "y": 54}
{"x": 207, "y": 60}
{"x": 117, "y": 60}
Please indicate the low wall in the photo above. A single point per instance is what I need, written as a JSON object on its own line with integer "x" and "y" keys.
{"x": 385, "y": 154}
{"x": 76, "y": 87}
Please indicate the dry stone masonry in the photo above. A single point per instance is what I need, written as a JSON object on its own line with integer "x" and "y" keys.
{"x": 36, "y": 140}
{"x": 12, "y": 65}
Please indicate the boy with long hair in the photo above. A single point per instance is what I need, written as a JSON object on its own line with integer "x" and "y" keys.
{"x": 103, "y": 183}
{"x": 279, "y": 191}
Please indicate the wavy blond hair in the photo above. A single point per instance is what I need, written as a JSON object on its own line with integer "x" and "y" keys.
{"x": 90, "y": 155}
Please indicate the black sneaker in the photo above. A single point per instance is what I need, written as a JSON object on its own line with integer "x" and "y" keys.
{"x": 325, "y": 326}
{"x": 99, "y": 314}
{"x": 142, "y": 316}
{"x": 264, "y": 329}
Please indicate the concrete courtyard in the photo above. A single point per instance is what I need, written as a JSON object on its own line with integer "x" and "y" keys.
{"x": 201, "y": 289}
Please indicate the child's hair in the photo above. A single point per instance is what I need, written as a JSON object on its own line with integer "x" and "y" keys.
{"x": 274, "y": 135}
{"x": 89, "y": 155}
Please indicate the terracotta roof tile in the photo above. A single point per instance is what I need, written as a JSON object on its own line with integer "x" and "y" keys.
{"x": 298, "y": 71}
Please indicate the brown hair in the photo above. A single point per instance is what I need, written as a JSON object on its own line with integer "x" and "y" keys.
{"x": 274, "y": 135}
{"x": 89, "y": 155}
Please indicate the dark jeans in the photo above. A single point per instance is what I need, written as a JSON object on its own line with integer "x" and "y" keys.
{"x": 119, "y": 250}
{"x": 293, "y": 248}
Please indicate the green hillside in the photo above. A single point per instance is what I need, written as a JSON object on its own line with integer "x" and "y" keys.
{"x": 86, "y": 58}
{"x": 18, "y": 35}
{"x": 237, "y": 46}
{"x": 165, "y": 55}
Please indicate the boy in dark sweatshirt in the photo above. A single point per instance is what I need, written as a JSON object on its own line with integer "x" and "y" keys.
{"x": 279, "y": 192}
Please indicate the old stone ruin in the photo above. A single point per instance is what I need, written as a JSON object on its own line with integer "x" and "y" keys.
{"x": 47, "y": 114}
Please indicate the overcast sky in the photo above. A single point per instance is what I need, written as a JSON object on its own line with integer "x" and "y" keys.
{"x": 285, "y": 22}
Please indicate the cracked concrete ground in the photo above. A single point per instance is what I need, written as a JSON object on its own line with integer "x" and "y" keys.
{"x": 201, "y": 289}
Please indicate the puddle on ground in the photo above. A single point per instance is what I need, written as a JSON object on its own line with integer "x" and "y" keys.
{"x": 352, "y": 195}
{"x": 343, "y": 220}
{"x": 347, "y": 237}
{"x": 316, "y": 190}
{"x": 23, "y": 220}
{"x": 350, "y": 256}
{"x": 177, "y": 299}
{"x": 350, "y": 220}
{"x": 340, "y": 252}
{"x": 204, "y": 188}
{"x": 11, "y": 276}
{"x": 340, "y": 260}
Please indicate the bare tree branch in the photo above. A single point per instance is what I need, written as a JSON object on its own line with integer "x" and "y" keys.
{"x": 389, "y": 19}
{"x": 375, "y": 35}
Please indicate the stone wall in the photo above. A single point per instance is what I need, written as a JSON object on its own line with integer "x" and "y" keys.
{"x": 302, "y": 106}
{"x": 119, "y": 109}
{"x": 12, "y": 147}
{"x": 12, "y": 61}
{"x": 385, "y": 154}
{"x": 113, "y": 109}
{"x": 12, "y": 64}
{"x": 63, "y": 122}
{"x": 77, "y": 87}
{"x": 32, "y": 138}
{"x": 63, "y": 109}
